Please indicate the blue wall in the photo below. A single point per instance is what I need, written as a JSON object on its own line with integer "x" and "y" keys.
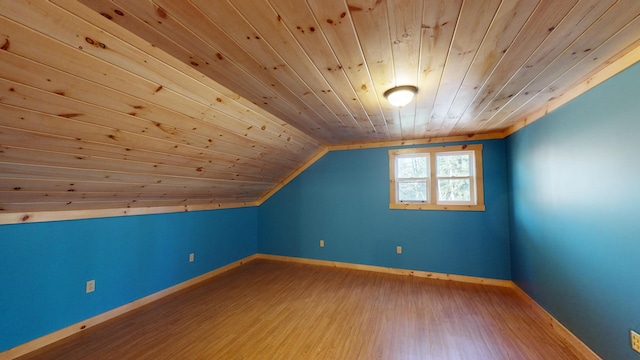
{"x": 344, "y": 199}
{"x": 44, "y": 266}
{"x": 575, "y": 184}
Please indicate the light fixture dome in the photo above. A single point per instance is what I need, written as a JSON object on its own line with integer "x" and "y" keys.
{"x": 401, "y": 95}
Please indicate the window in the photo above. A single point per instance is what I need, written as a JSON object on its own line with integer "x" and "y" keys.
{"x": 437, "y": 178}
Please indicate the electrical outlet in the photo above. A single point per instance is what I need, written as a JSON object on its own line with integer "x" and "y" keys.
{"x": 398, "y": 249}
{"x": 635, "y": 341}
{"x": 321, "y": 243}
{"x": 191, "y": 257}
{"x": 91, "y": 286}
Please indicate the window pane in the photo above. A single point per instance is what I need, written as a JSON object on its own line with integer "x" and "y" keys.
{"x": 412, "y": 167}
{"x": 453, "y": 165}
{"x": 412, "y": 191}
{"x": 454, "y": 190}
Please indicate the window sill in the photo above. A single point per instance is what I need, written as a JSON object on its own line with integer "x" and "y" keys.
{"x": 437, "y": 207}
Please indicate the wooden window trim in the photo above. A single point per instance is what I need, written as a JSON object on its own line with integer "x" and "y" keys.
{"x": 479, "y": 188}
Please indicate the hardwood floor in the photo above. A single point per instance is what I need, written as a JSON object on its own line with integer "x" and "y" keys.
{"x": 277, "y": 310}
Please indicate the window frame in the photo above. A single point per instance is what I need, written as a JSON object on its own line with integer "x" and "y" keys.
{"x": 432, "y": 198}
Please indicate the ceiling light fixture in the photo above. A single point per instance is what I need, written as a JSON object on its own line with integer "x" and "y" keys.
{"x": 401, "y": 95}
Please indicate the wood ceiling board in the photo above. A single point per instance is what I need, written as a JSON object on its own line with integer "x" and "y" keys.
{"x": 43, "y": 185}
{"x": 237, "y": 29}
{"x": 405, "y": 27}
{"x": 597, "y": 33}
{"x": 440, "y": 19}
{"x": 544, "y": 19}
{"x": 73, "y": 175}
{"x": 546, "y": 100}
{"x": 195, "y": 90}
{"x": 62, "y": 138}
{"x": 30, "y": 124}
{"x": 469, "y": 34}
{"x": 510, "y": 17}
{"x": 370, "y": 20}
{"x": 130, "y": 82}
{"x": 20, "y": 155}
{"x": 338, "y": 28}
{"x": 305, "y": 28}
{"x": 264, "y": 19}
{"x": 47, "y": 143}
{"x": 140, "y": 94}
{"x": 203, "y": 39}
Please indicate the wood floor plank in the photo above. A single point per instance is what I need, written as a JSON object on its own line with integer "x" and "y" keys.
{"x": 277, "y": 310}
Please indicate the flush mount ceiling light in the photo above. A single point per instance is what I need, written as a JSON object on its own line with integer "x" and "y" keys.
{"x": 401, "y": 95}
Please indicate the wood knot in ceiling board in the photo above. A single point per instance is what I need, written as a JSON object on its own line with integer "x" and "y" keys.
{"x": 5, "y": 45}
{"x": 106, "y": 15}
{"x": 70, "y": 115}
{"x": 161, "y": 12}
{"x": 95, "y": 43}
{"x": 119, "y": 12}
{"x": 355, "y": 8}
{"x": 219, "y": 56}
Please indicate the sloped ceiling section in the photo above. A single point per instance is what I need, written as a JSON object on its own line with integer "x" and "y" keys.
{"x": 92, "y": 117}
{"x": 119, "y": 104}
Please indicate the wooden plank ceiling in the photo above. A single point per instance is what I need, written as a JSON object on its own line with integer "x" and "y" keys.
{"x": 201, "y": 103}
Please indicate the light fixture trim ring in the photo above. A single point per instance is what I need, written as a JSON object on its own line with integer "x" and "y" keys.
{"x": 403, "y": 88}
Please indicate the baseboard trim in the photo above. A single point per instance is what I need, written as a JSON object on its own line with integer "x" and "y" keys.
{"x": 388, "y": 270}
{"x": 58, "y": 335}
{"x": 557, "y": 326}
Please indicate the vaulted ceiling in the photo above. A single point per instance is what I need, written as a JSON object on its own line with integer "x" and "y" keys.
{"x": 120, "y": 104}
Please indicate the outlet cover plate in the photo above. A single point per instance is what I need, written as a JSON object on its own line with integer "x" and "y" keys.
{"x": 191, "y": 257}
{"x": 91, "y": 286}
{"x": 635, "y": 341}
